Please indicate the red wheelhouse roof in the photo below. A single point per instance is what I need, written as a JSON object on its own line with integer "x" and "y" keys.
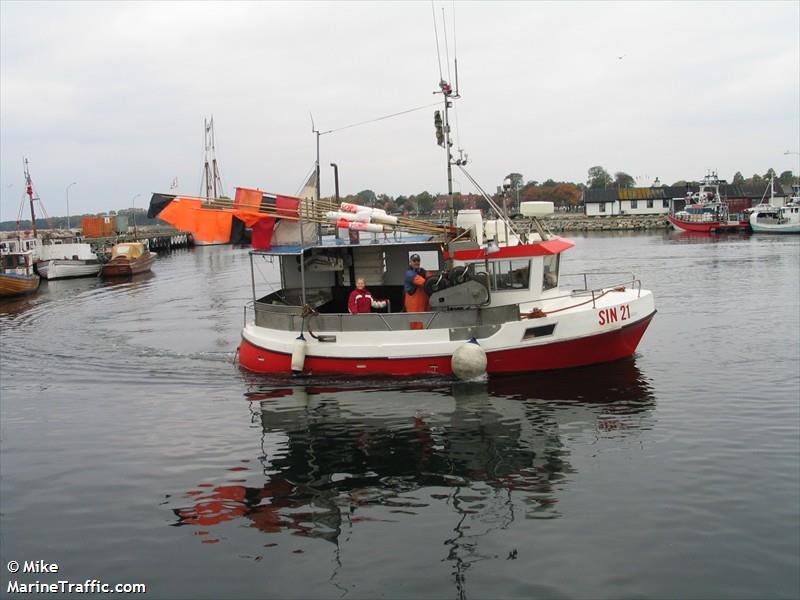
{"x": 553, "y": 246}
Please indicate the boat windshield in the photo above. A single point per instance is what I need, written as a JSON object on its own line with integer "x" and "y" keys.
{"x": 129, "y": 250}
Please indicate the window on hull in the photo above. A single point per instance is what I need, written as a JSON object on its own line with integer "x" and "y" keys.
{"x": 541, "y": 331}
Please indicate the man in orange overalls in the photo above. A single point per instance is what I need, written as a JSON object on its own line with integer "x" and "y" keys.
{"x": 416, "y": 300}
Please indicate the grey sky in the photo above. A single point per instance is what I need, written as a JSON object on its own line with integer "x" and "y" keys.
{"x": 113, "y": 95}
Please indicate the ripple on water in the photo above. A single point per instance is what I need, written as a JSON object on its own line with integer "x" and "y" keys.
{"x": 131, "y": 442}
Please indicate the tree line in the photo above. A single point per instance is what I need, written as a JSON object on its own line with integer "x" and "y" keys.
{"x": 564, "y": 194}
{"x": 47, "y": 222}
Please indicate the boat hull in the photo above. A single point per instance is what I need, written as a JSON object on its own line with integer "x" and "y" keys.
{"x": 589, "y": 350}
{"x": 761, "y": 224}
{"x": 584, "y": 331}
{"x": 17, "y": 285}
{"x": 124, "y": 267}
{"x": 761, "y": 228}
{"x": 67, "y": 268}
{"x": 708, "y": 226}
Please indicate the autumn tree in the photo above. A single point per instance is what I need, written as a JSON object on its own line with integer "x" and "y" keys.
{"x": 515, "y": 179}
{"x": 422, "y": 202}
{"x": 560, "y": 194}
{"x": 623, "y": 180}
{"x": 738, "y": 178}
{"x": 366, "y": 197}
{"x": 598, "y": 178}
{"x": 786, "y": 178}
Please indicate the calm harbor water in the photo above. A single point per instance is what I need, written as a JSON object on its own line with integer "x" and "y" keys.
{"x": 133, "y": 450}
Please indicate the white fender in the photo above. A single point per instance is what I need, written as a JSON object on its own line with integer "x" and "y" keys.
{"x": 469, "y": 360}
{"x": 299, "y": 354}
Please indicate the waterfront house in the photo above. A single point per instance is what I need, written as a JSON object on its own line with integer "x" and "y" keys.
{"x": 656, "y": 200}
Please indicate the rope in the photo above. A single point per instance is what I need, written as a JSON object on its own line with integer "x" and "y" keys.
{"x": 538, "y": 313}
{"x": 307, "y": 313}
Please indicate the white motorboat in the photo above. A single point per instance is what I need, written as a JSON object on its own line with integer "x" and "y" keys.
{"x": 771, "y": 217}
{"x": 776, "y": 219}
{"x": 61, "y": 261}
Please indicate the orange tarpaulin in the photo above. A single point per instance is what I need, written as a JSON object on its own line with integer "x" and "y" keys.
{"x": 206, "y": 224}
{"x": 254, "y": 208}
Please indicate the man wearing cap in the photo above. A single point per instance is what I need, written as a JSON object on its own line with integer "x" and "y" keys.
{"x": 416, "y": 300}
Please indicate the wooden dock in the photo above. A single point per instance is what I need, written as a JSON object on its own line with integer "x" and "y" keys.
{"x": 157, "y": 239}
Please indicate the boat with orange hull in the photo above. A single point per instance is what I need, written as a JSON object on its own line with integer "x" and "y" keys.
{"x": 17, "y": 276}
{"x": 128, "y": 259}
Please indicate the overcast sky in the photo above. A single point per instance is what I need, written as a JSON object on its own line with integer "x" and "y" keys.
{"x": 113, "y": 95}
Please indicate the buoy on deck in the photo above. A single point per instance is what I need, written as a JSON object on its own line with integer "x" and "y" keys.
{"x": 469, "y": 360}
{"x": 299, "y": 354}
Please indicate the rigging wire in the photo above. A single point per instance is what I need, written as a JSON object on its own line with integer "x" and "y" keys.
{"x": 436, "y": 35}
{"x": 455, "y": 59}
{"x": 397, "y": 114}
{"x": 446, "y": 47}
{"x": 455, "y": 45}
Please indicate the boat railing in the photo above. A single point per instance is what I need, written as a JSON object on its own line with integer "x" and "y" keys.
{"x": 295, "y": 318}
{"x": 622, "y": 280}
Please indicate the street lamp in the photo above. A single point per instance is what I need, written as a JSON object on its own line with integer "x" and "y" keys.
{"x": 69, "y": 226}
{"x": 133, "y": 215}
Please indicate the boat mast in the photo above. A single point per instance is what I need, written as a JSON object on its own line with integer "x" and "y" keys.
{"x": 212, "y": 182}
{"x": 447, "y": 92}
{"x": 772, "y": 190}
{"x": 29, "y": 191}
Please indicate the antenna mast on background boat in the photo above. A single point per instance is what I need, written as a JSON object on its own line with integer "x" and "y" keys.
{"x": 29, "y": 191}
{"x": 212, "y": 182}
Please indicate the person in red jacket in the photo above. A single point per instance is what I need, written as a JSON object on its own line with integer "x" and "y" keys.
{"x": 361, "y": 300}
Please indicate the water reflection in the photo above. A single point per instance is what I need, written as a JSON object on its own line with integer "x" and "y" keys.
{"x": 702, "y": 237}
{"x": 336, "y": 455}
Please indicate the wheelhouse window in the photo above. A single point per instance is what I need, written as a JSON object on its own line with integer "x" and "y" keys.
{"x": 550, "y": 271}
{"x": 509, "y": 274}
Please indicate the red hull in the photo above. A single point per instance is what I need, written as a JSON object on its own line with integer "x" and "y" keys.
{"x": 709, "y": 227}
{"x": 595, "y": 349}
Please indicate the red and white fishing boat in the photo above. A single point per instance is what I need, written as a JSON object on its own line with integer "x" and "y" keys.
{"x": 503, "y": 306}
{"x": 499, "y": 302}
{"x": 705, "y": 211}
